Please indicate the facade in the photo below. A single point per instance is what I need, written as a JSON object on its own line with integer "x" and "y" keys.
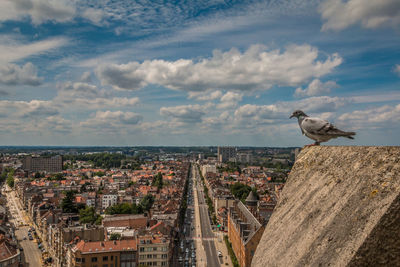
{"x": 244, "y": 157}
{"x": 118, "y": 253}
{"x": 154, "y": 250}
{"x": 108, "y": 200}
{"x": 244, "y": 232}
{"x": 208, "y": 168}
{"x": 227, "y": 153}
{"x": 43, "y": 164}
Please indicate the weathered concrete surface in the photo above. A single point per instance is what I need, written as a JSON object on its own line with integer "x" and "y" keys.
{"x": 340, "y": 207}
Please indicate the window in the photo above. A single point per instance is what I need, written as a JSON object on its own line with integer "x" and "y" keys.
{"x": 141, "y": 257}
{"x": 141, "y": 249}
{"x": 164, "y": 263}
{"x": 149, "y": 256}
{"x": 164, "y": 256}
{"x": 154, "y": 256}
{"x": 105, "y": 258}
{"x": 105, "y": 265}
{"x": 112, "y": 257}
{"x": 155, "y": 249}
{"x": 94, "y": 259}
{"x": 78, "y": 259}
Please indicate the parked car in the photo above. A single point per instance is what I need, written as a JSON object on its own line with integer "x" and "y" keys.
{"x": 219, "y": 253}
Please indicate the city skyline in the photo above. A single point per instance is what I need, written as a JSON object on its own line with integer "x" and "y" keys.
{"x": 208, "y": 73}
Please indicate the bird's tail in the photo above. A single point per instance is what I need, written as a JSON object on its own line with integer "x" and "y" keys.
{"x": 338, "y": 133}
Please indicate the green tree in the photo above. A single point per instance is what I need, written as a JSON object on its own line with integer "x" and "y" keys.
{"x": 88, "y": 215}
{"x": 68, "y": 204}
{"x": 147, "y": 202}
{"x": 115, "y": 236}
{"x": 10, "y": 180}
{"x": 241, "y": 191}
{"x": 158, "y": 181}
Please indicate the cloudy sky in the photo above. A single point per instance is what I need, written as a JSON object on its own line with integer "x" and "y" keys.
{"x": 210, "y": 72}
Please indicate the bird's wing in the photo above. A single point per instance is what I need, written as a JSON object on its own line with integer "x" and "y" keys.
{"x": 316, "y": 126}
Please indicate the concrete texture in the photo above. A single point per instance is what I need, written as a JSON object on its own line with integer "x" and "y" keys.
{"x": 339, "y": 207}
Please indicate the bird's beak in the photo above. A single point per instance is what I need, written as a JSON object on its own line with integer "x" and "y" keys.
{"x": 291, "y": 116}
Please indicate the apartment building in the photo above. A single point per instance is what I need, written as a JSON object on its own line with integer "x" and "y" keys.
{"x": 154, "y": 250}
{"x": 117, "y": 253}
{"x": 227, "y": 153}
{"x": 244, "y": 230}
{"x": 43, "y": 164}
{"x": 108, "y": 200}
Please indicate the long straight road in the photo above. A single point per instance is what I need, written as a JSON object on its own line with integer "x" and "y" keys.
{"x": 207, "y": 234}
{"x": 30, "y": 249}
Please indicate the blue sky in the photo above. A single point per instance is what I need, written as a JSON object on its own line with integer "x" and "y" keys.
{"x": 197, "y": 72}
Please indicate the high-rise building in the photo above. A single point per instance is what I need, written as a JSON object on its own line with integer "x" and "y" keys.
{"x": 227, "y": 153}
{"x": 43, "y": 164}
{"x": 244, "y": 157}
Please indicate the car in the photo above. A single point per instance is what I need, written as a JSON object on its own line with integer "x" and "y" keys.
{"x": 187, "y": 250}
{"x": 219, "y": 253}
{"x": 30, "y": 238}
{"x": 193, "y": 255}
{"x": 24, "y": 237}
{"x": 180, "y": 259}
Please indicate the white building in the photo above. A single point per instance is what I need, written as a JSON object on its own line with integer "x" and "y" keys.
{"x": 108, "y": 200}
{"x": 208, "y": 168}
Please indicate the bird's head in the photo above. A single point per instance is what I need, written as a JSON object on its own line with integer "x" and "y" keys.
{"x": 297, "y": 114}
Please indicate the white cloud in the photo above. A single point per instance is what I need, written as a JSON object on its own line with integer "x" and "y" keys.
{"x": 269, "y": 114}
{"x": 12, "y": 74}
{"x": 39, "y": 11}
{"x": 205, "y": 96}
{"x": 86, "y": 77}
{"x": 230, "y": 100}
{"x": 13, "y": 49}
{"x": 256, "y": 68}
{"x": 28, "y": 109}
{"x": 96, "y": 16}
{"x": 186, "y": 113}
{"x": 397, "y": 69}
{"x": 112, "y": 120}
{"x": 316, "y": 87}
{"x": 373, "y": 116}
{"x": 339, "y": 15}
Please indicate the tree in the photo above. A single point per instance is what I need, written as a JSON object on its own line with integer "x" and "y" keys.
{"x": 88, "y": 215}
{"x": 10, "y": 180}
{"x": 158, "y": 181}
{"x": 67, "y": 204}
{"x": 241, "y": 191}
{"x": 115, "y": 236}
{"x": 147, "y": 202}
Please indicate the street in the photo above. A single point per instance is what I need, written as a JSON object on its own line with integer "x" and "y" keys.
{"x": 30, "y": 248}
{"x": 207, "y": 235}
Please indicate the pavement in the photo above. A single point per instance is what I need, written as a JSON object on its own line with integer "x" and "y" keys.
{"x": 31, "y": 252}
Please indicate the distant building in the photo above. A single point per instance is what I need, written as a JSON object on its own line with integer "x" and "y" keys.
{"x": 244, "y": 157}
{"x": 227, "y": 153}
{"x": 208, "y": 168}
{"x": 244, "y": 230}
{"x": 43, "y": 164}
{"x": 108, "y": 200}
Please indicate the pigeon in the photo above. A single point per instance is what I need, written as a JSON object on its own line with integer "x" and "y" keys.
{"x": 318, "y": 129}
